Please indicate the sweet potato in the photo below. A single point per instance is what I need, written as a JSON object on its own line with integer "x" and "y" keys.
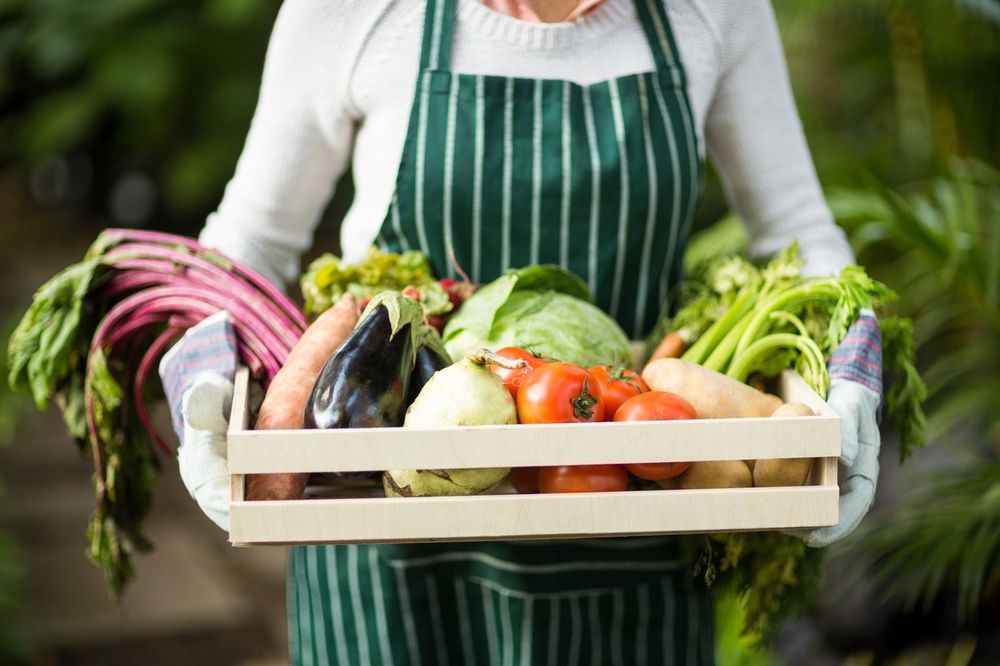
{"x": 712, "y": 394}
{"x": 784, "y": 471}
{"x": 285, "y": 402}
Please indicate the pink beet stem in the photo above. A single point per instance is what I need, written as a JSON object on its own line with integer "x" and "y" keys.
{"x": 216, "y": 280}
{"x": 149, "y": 272}
{"x": 258, "y": 280}
{"x": 149, "y": 359}
{"x": 167, "y": 299}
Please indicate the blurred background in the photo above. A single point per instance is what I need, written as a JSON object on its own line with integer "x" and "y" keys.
{"x": 133, "y": 112}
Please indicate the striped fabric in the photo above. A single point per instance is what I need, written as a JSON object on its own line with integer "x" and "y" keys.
{"x": 613, "y": 601}
{"x": 858, "y": 358}
{"x": 602, "y": 179}
{"x": 207, "y": 347}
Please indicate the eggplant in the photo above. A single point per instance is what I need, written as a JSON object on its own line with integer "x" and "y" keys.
{"x": 429, "y": 361}
{"x": 364, "y": 384}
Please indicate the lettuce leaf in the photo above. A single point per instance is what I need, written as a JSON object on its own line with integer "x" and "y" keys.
{"x": 542, "y": 308}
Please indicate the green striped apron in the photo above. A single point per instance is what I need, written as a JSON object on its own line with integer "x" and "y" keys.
{"x": 601, "y": 179}
{"x": 503, "y": 172}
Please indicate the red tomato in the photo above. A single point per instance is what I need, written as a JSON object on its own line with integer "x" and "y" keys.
{"x": 512, "y": 379}
{"x": 617, "y": 385}
{"x": 656, "y": 406}
{"x": 524, "y": 479}
{"x": 658, "y": 471}
{"x": 559, "y": 393}
{"x": 582, "y": 479}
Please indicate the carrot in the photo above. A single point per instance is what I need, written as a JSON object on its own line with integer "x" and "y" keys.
{"x": 672, "y": 345}
{"x": 712, "y": 394}
{"x": 285, "y": 403}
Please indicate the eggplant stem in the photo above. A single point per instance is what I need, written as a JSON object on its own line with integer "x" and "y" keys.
{"x": 486, "y": 357}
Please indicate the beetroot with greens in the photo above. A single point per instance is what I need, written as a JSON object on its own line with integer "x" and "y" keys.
{"x": 95, "y": 332}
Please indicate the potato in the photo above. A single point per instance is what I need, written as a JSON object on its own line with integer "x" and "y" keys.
{"x": 784, "y": 471}
{"x": 712, "y": 394}
{"x": 716, "y": 474}
{"x": 781, "y": 472}
{"x": 794, "y": 409}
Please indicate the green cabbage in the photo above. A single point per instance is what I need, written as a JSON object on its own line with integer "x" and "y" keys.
{"x": 541, "y": 308}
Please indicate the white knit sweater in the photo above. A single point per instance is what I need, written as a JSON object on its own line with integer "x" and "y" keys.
{"x": 339, "y": 81}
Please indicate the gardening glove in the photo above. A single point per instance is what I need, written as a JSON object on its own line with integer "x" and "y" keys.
{"x": 855, "y": 394}
{"x": 197, "y": 376}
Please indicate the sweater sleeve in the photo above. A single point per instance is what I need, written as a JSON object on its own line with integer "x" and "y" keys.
{"x": 298, "y": 145}
{"x": 755, "y": 139}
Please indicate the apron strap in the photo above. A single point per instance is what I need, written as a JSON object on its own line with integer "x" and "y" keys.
{"x": 656, "y": 25}
{"x": 439, "y": 23}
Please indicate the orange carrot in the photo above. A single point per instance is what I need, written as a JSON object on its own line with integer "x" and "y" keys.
{"x": 285, "y": 403}
{"x": 672, "y": 345}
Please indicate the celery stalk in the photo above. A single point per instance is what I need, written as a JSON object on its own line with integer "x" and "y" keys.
{"x": 710, "y": 339}
{"x": 785, "y": 300}
{"x": 814, "y": 370}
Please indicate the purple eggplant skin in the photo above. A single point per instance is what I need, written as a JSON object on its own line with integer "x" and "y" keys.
{"x": 364, "y": 383}
{"x": 428, "y": 362}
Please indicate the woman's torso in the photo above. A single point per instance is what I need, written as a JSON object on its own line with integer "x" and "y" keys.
{"x": 606, "y": 43}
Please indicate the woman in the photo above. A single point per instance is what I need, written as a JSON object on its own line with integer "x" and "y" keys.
{"x": 578, "y": 142}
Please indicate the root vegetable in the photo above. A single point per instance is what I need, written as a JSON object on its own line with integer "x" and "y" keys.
{"x": 463, "y": 394}
{"x": 712, "y": 394}
{"x": 716, "y": 474}
{"x": 784, "y": 471}
{"x": 284, "y": 404}
{"x": 672, "y": 345}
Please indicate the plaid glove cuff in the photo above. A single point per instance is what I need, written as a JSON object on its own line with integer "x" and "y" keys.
{"x": 858, "y": 358}
{"x": 209, "y": 347}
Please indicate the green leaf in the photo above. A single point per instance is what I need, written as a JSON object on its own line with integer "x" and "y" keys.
{"x": 477, "y": 315}
{"x": 328, "y": 277}
{"x": 548, "y": 277}
{"x": 40, "y": 349}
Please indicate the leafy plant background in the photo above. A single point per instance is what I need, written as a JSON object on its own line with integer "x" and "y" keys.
{"x": 133, "y": 112}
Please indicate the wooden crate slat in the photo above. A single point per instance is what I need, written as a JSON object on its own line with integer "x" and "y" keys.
{"x": 360, "y": 450}
{"x": 492, "y": 517}
{"x": 375, "y": 520}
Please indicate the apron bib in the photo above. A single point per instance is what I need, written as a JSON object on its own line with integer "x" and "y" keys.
{"x": 601, "y": 179}
{"x": 503, "y": 172}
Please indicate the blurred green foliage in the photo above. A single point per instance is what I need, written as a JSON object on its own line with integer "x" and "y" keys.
{"x": 12, "y": 649}
{"x": 170, "y": 84}
{"x": 895, "y": 88}
{"x": 939, "y": 242}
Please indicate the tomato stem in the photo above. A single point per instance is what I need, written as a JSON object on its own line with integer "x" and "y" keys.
{"x": 617, "y": 374}
{"x": 583, "y": 403}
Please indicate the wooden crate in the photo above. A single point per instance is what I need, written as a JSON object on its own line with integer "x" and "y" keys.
{"x": 511, "y": 516}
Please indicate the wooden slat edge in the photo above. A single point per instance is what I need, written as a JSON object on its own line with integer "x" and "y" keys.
{"x": 533, "y": 516}
{"x": 606, "y": 443}
{"x": 239, "y": 419}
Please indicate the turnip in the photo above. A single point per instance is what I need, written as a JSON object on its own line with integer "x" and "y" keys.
{"x": 464, "y": 394}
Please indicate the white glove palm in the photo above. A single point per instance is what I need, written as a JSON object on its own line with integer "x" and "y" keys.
{"x": 197, "y": 377}
{"x": 855, "y": 394}
{"x": 202, "y": 458}
{"x": 858, "y": 468}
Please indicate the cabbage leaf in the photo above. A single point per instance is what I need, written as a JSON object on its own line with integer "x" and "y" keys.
{"x": 544, "y": 309}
